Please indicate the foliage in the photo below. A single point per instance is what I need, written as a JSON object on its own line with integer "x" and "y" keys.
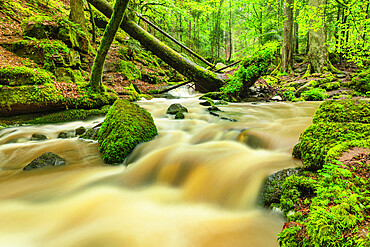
{"x": 314, "y": 94}
{"x": 252, "y": 67}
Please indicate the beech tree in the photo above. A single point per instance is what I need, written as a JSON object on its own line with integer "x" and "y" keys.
{"x": 317, "y": 36}
{"x": 287, "y": 49}
{"x": 110, "y": 32}
{"x": 77, "y": 15}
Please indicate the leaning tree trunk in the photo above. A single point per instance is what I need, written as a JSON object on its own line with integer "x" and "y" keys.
{"x": 317, "y": 36}
{"x": 204, "y": 80}
{"x": 108, "y": 37}
{"x": 287, "y": 50}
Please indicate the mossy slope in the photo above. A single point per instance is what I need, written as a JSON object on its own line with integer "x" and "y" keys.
{"x": 329, "y": 203}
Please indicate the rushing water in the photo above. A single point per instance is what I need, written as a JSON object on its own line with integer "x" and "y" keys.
{"x": 195, "y": 184}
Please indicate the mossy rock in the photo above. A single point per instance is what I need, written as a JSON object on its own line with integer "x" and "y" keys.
{"x": 129, "y": 70}
{"x": 68, "y": 75}
{"x": 318, "y": 139}
{"x": 47, "y": 53}
{"x": 125, "y": 126}
{"x": 343, "y": 111}
{"x": 19, "y": 76}
{"x": 361, "y": 82}
{"x": 176, "y": 108}
{"x": 26, "y": 99}
{"x": 41, "y": 27}
{"x": 151, "y": 77}
{"x": 272, "y": 188}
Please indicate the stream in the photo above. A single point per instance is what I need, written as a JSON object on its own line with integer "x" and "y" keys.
{"x": 196, "y": 184}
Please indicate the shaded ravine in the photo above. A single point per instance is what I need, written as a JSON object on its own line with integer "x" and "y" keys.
{"x": 195, "y": 184}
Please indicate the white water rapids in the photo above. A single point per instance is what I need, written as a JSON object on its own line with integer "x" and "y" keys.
{"x": 195, "y": 184}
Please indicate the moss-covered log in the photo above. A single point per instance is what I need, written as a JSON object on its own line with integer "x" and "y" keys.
{"x": 204, "y": 79}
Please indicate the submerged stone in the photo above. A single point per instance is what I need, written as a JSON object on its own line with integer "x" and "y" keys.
{"x": 38, "y": 137}
{"x": 175, "y": 108}
{"x": 45, "y": 160}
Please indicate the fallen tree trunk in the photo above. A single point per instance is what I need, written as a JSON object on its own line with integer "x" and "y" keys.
{"x": 205, "y": 80}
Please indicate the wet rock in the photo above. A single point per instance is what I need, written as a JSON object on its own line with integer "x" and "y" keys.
{"x": 213, "y": 108}
{"x": 45, "y": 160}
{"x": 208, "y": 102}
{"x": 67, "y": 134}
{"x": 175, "y": 108}
{"x": 80, "y": 130}
{"x": 277, "y": 98}
{"x": 91, "y": 133}
{"x": 38, "y": 137}
{"x": 179, "y": 115}
{"x": 229, "y": 119}
{"x": 272, "y": 188}
{"x": 341, "y": 76}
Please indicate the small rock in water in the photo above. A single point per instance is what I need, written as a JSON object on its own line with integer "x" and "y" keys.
{"x": 175, "y": 108}
{"x": 213, "y": 108}
{"x": 277, "y": 97}
{"x": 38, "y": 137}
{"x": 68, "y": 134}
{"x": 179, "y": 115}
{"x": 80, "y": 130}
{"x": 45, "y": 160}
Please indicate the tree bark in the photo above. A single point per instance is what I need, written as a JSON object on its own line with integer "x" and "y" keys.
{"x": 110, "y": 32}
{"x": 204, "y": 80}
{"x": 77, "y": 14}
{"x": 287, "y": 51}
{"x": 317, "y": 36}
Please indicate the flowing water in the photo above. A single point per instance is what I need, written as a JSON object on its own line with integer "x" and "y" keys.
{"x": 195, "y": 184}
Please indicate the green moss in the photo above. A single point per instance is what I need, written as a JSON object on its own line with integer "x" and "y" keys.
{"x": 361, "y": 82}
{"x": 129, "y": 70}
{"x": 343, "y": 111}
{"x": 47, "y": 53}
{"x": 68, "y": 116}
{"x": 251, "y": 69}
{"x": 125, "y": 126}
{"x": 318, "y": 139}
{"x": 214, "y": 96}
{"x": 88, "y": 99}
{"x": 314, "y": 94}
{"x": 19, "y": 76}
{"x": 29, "y": 95}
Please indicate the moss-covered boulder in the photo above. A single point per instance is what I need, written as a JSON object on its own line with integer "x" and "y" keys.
{"x": 318, "y": 139}
{"x": 343, "y": 111}
{"x": 19, "y": 76}
{"x": 44, "y": 27}
{"x": 176, "y": 108}
{"x": 48, "y": 53}
{"x": 125, "y": 126}
{"x": 329, "y": 205}
{"x": 27, "y": 99}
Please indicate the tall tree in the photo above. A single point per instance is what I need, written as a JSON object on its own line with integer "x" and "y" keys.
{"x": 77, "y": 14}
{"x": 317, "y": 35}
{"x": 110, "y": 32}
{"x": 287, "y": 49}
